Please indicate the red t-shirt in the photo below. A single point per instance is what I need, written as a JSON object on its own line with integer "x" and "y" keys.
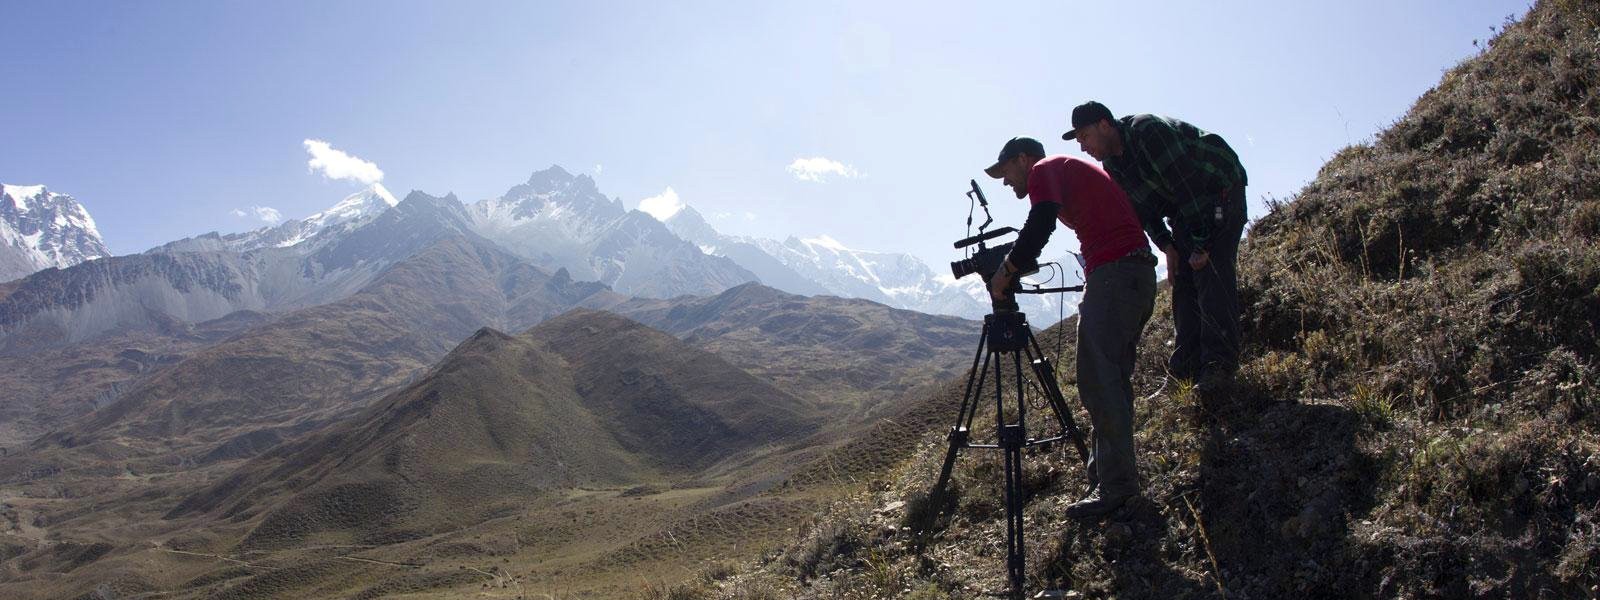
{"x": 1092, "y": 205}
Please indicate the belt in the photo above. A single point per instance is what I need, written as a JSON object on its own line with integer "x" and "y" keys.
{"x": 1139, "y": 255}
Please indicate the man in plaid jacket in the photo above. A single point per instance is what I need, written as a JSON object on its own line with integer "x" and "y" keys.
{"x": 1175, "y": 173}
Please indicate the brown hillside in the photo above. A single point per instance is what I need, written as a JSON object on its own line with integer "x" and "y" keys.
{"x": 586, "y": 400}
{"x": 671, "y": 403}
{"x": 317, "y": 362}
{"x": 845, "y": 354}
{"x": 99, "y": 371}
{"x": 1415, "y": 416}
{"x": 497, "y": 422}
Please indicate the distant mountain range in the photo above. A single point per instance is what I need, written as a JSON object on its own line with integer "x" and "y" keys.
{"x": 352, "y": 212}
{"x": 200, "y": 279}
{"x": 822, "y": 265}
{"x": 555, "y": 219}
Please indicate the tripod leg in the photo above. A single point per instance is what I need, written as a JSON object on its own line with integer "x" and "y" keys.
{"x": 959, "y": 435}
{"x": 1058, "y": 404}
{"x": 1012, "y": 440}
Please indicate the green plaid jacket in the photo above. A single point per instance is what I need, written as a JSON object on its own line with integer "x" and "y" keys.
{"x": 1171, "y": 169}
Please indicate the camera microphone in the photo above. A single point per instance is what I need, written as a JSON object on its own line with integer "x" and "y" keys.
{"x": 964, "y": 242}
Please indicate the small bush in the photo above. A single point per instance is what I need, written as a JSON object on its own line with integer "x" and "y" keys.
{"x": 923, "y": 517}
{"x": 831, "y": 545}
{"x": 1374, "y": 409}
{"x": 682, "y": 591}
{"x": 1585, "y": 220}
{"x": 929, "y": 591}
{"x": 716, "y": 571}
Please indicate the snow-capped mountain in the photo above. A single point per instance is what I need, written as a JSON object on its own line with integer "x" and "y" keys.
{"x": 167, "y": 288}
{"x": 561, "y": 220}
{"x": 353, "y": 211}
{"x": 822, "y": 265}
{"x": 688, "y": 224}
{"x": 899, "y": 280}
{"x": 40, "y": 229}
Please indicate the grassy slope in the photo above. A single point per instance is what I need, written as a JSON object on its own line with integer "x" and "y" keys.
{"x": 1415, "y": 415}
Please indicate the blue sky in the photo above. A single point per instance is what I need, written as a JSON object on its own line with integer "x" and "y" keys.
{"x": 170, "y": 119}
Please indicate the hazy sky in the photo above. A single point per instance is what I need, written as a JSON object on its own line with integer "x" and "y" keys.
{"x": 858, "y": 120}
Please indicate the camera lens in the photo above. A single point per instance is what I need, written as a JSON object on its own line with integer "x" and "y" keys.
{"x": 963, "y": 267}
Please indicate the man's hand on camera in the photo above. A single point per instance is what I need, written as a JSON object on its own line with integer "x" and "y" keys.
{"x": 1199, "y": 259}
{"x": 1001, "y": 282}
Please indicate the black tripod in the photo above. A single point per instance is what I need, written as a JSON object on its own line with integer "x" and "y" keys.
{"x": 1006, "y": 333}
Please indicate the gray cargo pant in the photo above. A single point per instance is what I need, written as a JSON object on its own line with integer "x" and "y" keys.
{"x": 1117, "y": 301}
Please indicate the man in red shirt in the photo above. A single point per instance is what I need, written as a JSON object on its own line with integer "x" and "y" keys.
{"x": 1117, "y": 298}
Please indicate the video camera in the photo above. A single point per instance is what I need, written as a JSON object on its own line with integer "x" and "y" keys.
{"x": 987, "y": 261}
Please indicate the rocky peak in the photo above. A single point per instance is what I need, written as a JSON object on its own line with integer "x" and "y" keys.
{"x": 552, "y": 179}
{"x": 690, "y": 225}
{"x": 41, "y": 229}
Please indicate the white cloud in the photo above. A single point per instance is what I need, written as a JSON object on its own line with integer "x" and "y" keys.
{"x": 818, "y": 169}
{"x": 335, "y": 164}
{"x": 749, "y": 216}
{"x": 598, "y": 169}
{"x": 265, "y": 214}
{"x": 662, "y": 206}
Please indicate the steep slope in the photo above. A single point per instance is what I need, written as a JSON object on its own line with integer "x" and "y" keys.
{"x": 140, "y": 292}
{"x": 40, "y": 229}
{"x": 1415, "y": 414}
{"x": 558, "y": 220}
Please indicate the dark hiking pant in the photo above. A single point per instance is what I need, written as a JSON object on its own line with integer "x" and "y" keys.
{"x": 1117, "y": 301}
{"x": 1205, "y": 303}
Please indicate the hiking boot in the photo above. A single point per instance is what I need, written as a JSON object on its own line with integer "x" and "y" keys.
{"x": 1097, "y": 503}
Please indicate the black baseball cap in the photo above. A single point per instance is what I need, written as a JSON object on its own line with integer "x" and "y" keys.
{"x": 1017, "y": 146}
{"x": 1088, "y": 113}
